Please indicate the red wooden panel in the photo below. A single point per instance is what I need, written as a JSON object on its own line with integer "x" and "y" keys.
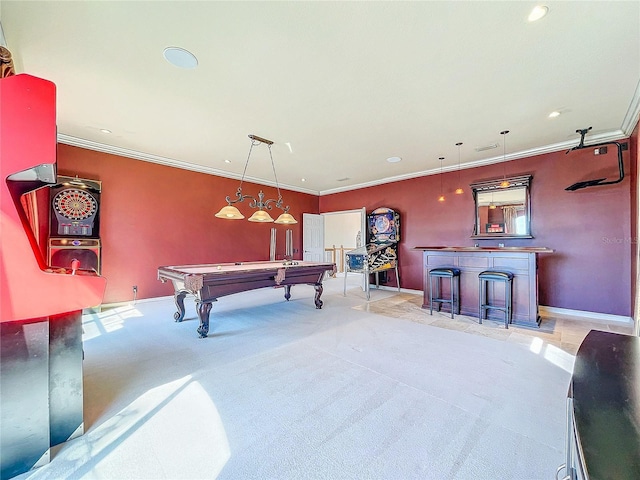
{"x": 28, "y": 139}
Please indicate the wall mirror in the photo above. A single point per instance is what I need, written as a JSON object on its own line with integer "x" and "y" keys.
{"x": 502, "y": 212}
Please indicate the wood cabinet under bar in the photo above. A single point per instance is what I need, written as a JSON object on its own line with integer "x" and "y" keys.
{"x": 521, "y": 261}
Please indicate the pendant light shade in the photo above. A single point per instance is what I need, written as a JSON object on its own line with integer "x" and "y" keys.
{"x": 260, "y": 216}
{"x": 285, "y": 219}
{"x": 230, "y": 212}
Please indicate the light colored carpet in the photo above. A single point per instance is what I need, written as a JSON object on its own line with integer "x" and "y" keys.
{"x": 280, "y": 390}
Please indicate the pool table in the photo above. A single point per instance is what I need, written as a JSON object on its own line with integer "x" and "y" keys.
{"x": 212, "y": 281}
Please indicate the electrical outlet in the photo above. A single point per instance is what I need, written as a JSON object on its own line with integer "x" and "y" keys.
{"x": 135, "y": 289}
{"x": 600, "y": 151}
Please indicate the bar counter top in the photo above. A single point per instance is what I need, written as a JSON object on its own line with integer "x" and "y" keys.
{"x": 489, "y": 249}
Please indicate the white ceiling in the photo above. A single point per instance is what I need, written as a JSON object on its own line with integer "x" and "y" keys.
{"x": 344, "y": 84}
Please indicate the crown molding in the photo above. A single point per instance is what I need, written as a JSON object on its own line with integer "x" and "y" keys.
{"x": 555, "y": 147}
{"x": 633, "y": 113}
{"x": 612, "y": 136}
{"x": 169, "y": 162}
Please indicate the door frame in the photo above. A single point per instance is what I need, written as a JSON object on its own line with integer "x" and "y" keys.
{"x": 363, "y": 229}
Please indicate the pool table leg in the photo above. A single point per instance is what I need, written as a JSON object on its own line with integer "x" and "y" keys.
{"x": 203, "y": 312}
{"x": 318, "y": 288}
{"x": 287, "y": 292}
{"x": 179, "y": 299}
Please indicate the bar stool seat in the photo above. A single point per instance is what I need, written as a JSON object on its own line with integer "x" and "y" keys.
{"x": 496, "y": 276}
{"x": 435, "y": 276}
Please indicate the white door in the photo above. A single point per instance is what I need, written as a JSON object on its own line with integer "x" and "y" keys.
{"x": 313, "y": 237}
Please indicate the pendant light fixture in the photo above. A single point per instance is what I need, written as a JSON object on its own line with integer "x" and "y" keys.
{"x": 505, "y": 183}
{"x": 459, "y": 190}
{"x": 229, "y": 212}
{"x": 441, "y": 197}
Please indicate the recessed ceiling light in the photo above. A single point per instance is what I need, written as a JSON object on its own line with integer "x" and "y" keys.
{"x": 554, "y": 114}
{"x": 303, "y": 179}
{"x": 104, "y": 130}
{"x": 394, "y": 159}
{"x": 538, "y": 12}
{"x": 180, "y": 57}
{"x": 227, "y": 161}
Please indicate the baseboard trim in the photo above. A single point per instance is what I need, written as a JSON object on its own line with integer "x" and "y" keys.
{"x": 544, "y": 310}
{"x": 395, "y": 289}
{"x": 106, "y": 306}
{"x": 603, "y": 317}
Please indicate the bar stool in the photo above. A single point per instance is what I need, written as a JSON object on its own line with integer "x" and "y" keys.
{"x": 496, "y": 276}
{"x": 436, "y": 275}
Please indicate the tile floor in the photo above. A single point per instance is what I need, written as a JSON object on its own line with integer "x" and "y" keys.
{"x": 564, "y": 332}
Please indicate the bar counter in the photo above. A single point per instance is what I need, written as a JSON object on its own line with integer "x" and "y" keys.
{"x": 521, "y": 261}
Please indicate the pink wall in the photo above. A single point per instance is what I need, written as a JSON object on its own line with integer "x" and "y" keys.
{"x": 153, "y": 215}
{"x": 589, "y": 229}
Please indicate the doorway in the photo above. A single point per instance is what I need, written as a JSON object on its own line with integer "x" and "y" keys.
{"x": 343, "y": 231}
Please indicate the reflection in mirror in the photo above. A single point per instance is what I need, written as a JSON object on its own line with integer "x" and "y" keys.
{"x": 502, "y": 212}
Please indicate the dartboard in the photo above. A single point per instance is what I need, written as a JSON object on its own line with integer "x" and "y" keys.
{"x": 75, "y": 204}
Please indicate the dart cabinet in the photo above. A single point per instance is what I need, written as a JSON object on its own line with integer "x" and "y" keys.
{"x": 75, "y": 223}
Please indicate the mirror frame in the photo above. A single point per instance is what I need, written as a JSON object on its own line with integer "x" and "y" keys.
{"x": 494, "y": 186}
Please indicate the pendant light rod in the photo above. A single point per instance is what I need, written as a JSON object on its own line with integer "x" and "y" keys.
{"x": 441, "y": 197}
{"x": 505, "y": 182}
{"x": 459, "y": 190}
